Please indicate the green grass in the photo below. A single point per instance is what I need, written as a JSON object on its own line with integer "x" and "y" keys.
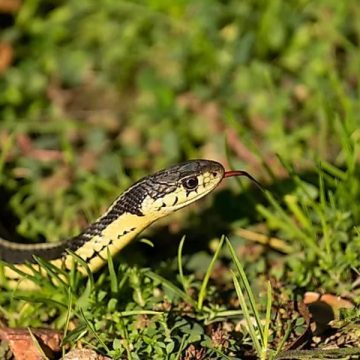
{"x": 101, "y": 93}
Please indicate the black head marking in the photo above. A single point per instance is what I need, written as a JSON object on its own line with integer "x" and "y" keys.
{"x": 177, "y": 172}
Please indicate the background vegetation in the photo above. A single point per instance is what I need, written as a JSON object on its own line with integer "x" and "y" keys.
{"x": 95, "y": 94}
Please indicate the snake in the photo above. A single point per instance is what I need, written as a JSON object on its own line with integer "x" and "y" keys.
{"x": 146, "y": 201}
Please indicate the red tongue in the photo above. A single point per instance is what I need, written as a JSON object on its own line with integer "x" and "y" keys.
{"x": 242, "y": 173}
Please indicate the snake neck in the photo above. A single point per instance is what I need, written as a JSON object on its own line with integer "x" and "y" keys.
{"x": 106, "y": 236}
{"x": 94, "y": 244}
{"x": 126, "y": 218}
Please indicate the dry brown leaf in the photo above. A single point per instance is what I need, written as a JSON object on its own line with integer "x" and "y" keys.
{"x": 6, "y": 54}
{"x": 22, "y": 344}
{"x": 335, "y": 302}
{"x": 10, "y": 6}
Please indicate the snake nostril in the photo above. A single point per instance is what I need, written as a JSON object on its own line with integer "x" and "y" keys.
{"x": 214, "y": 173}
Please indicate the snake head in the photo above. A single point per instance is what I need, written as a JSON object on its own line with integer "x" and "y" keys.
{"x": 181, "y": 185}
{"x": 171, "y": 189}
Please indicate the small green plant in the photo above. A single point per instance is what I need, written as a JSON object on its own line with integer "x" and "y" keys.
{"x": 259, "y": 332}
{"x": 320, "y": 223}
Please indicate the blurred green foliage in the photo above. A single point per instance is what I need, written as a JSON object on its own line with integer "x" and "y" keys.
{"x": 123, "y": 87}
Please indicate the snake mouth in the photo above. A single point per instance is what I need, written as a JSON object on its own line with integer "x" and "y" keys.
{"x": 232, "y": 173}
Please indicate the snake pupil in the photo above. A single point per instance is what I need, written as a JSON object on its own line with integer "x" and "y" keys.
{"x": 191, "y": 183}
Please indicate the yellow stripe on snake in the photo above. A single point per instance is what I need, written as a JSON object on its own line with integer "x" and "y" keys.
{"x": 148, "y": 200}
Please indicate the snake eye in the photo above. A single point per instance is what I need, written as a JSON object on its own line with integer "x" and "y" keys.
{"x": 190, "y": 183}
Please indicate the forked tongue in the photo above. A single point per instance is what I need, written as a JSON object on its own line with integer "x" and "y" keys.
{"x": 243, "y": 173}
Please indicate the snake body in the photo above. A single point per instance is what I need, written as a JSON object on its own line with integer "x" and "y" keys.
{"x": 146, "y": 201}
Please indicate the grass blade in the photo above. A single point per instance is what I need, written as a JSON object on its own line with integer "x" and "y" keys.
{"x": 244, "y": 307}
{"x": 246, "y": 285}
{"x": 113, "y": 277}
{"x": 37, "y": 345}
{"x": 180, "y": 267}
{"x": 84, "y": 264}
{"x": 202, "y": 293}
{"x": 267, "y": 321}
